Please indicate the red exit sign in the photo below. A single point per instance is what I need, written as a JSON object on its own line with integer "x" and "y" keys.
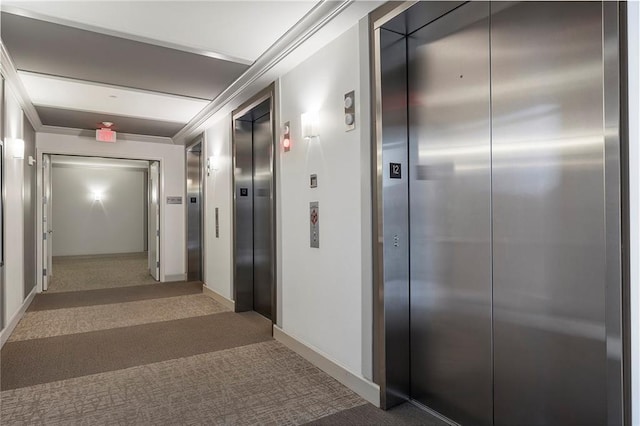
{"x": 105, "y": 135}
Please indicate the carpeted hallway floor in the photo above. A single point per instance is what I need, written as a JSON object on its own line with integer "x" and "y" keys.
{"x": 165, "y": 354}
{"x": 73, "y": 273}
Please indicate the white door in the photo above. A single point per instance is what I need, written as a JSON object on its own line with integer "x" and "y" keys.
{"x": 154, "y": 220}
{"x": 47, "y": 223}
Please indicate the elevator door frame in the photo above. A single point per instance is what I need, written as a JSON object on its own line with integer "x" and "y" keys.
{"x": 394, "y": 380}
{"x": 197, "y": 141}
{"x": 266, "y": 94}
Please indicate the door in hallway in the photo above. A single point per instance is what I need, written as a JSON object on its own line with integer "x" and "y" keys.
{"x": 254, "y": 242}
{"x": 153, "y": 221}
{"x": 47, "y": 224}
{"x": 194, "y": 212}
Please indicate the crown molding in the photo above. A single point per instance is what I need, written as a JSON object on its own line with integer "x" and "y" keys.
{"x": 319, "y": 16}
{"x": 10, "y": 74}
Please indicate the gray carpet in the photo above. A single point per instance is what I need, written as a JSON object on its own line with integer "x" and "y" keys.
{"x": 113, "y": 352}
{"x": 72, "y": 299}
{"x": 35, "y": 361}
{"x": 77, "y": 273}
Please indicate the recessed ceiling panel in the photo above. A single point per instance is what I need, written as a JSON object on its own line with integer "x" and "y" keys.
{"x": 242, "y": 29}
{"x": 90, "y": 97}
{"x": 47, "y": 48}
{"x": 91, "y": 121}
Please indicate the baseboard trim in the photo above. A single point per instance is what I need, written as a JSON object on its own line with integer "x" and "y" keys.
{"x": 176, "y": 277}
{"x": 13, "y": 322}
{"x": 227, "y": 303}
{"x": 363, "y": 387}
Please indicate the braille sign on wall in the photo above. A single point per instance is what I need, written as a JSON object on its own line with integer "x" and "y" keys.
{"x": 174, "y": 200}
{"x": 395, "y": 170}
{"x": 194, "y": 199}
{"x": 244, "y": 192}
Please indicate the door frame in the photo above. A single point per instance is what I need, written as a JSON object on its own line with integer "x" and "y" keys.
{"x": 200, "y": 139}
{"x": 267, "y": 93}
{"x": 393, "y": 388}
{"x": 40, "y": 153}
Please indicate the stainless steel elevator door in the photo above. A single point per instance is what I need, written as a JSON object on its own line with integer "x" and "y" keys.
{"x": 548, "y": 214}
{"x": 262, "y": 216}
{"x": 254, "y": 255}
{"x": 243, "y": 279}
{"x": 194, "y": 230}
{"x": 450, "y": 215}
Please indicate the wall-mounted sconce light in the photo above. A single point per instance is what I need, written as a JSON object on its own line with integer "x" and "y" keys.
{"x": 310, "y": 125}
{"x": 18, "y": 149}
{"x": 97, "y": 196}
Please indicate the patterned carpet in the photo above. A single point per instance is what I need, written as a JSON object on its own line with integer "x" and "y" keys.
{"x": 73, "y": 273}
{"x": 165, "y": 354}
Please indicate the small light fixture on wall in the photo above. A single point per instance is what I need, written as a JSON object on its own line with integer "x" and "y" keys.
{"x": 97, "y": 196}
{"x": 18, "y": 149}
{"x": 310, "y": 125}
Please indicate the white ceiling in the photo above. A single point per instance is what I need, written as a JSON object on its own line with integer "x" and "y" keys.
{"x": 242, "y": 30}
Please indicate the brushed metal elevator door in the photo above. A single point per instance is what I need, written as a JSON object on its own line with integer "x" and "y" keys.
{"x": 262, "y": 219}
{"x": 243, "y": 175}
{"x": 450, "y": 215}
{"x": 548, "y": 214}
{"x": 254, "y": 255}
{"x": 194, "y": 212}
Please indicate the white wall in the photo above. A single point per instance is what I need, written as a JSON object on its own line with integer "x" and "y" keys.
{"x": 84, "y": 226}
{"x": 218, "y": 272}
{"x": 324, "y": 294}
{"x": 14, "y": 211}
{"x": 325, "y": 290}
{"x": 634, "y": 189}
{"x": 172, "y": 183}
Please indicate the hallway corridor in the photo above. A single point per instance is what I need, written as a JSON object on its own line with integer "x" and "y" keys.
{"x": 164, "y": 354}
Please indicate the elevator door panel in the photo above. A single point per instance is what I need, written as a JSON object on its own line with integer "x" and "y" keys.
{"x": 548, "y": 214}
{"x": 450, "y": 215}
{"x": 194, "y": 202}
{"x": 243, "y": 215}
{"x": 262, "y": 220}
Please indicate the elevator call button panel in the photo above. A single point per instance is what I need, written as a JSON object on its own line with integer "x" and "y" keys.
{"x": 314, "y": 222}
